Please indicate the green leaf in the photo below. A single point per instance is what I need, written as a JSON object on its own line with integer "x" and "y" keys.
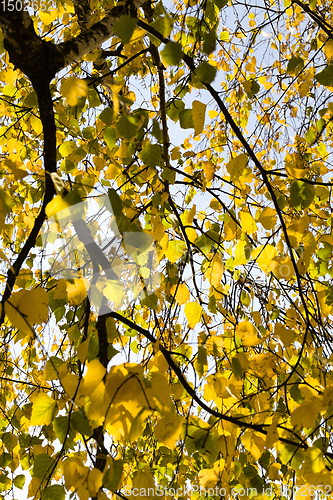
{"x": 106, "y": 116}
{"x": 163, "y": 25}
{"x": 61, "y": 428}
{"x": 42, "y": 466}
{"x": 52, "y": 366}
{"x": 205, "y": 72}
{"x": 19, "y": 481}
{"x": 310, "y": 135}
{"x": 174, "y": 108}
{"x": 80, "y": 423}
{"x": 93, "y": 349}
{"x": 9, "y": 440}
{"x": 124, "y": 28}
{"x": 67, "y": 166}
{"x": 110, "y": 137}
{"x": 209, "y": 42}
{"x": 93, "y": 98}
{"x": 31, "y": 100}
{"x": 301, "y": 194}
{"x": 169, "y": 175}
{"x": 150, "y": 301}
{"x": 53, "y": 492}
{"x": 202, "y": 355}
{"x": 186, "y": 119}
{"x": 115, "y": 200}
{"x": 151, "y": 155}
{"x": 251, "y": 88}
{"x": 112, "y": 476}
{"x": 172, "y": 53}
{"x": 127, "y": 127}
{"x": 325, "y": 77}
{"x": 67, "y": 148}
{"x": 137, "y": 241}
{"x": 295, "y": 65}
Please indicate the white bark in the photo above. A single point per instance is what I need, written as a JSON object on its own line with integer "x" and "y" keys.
{"x": 72, "y": 50}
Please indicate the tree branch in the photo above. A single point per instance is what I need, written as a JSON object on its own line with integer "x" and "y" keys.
{"x": 172, "y": 364}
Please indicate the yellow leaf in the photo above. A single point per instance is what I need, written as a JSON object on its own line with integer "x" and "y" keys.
{"x": 34, "y": 488}
{"x": 328, "y": 50}
{"x": 175, "y": 250}
{"x": 144, "y": 479}
{"x": 10, "y": 76}
{"x": 82, "y": 350}
{"x": 191, "y": 234}
{"x": 285, "y": 335}
{"x": 168, "y": 429}
{"x": 93, "y": 377}
{"x": 69, "y": 383}
{"x": 304, "y": 88}
{"x": 95, "y": 481}
{"x": 209, "y": 170}
{"x": 198, "y": 112}
{"x": 111, "y": 171}
{"x": 75, "y": 473}
{"x": 242, "y": 253}
{"x": 36, "y": 124}
{"x": 193, "y": 312}
{"x": 254, "y": 443}
{"x": 114, "y": 291}
{"x": 282, "y": 267}
{"x": 272, "y": 434}
{"x": 175, "y": 154}
{"x": 124, "y": 388}
{"x": 60, "y": 291}
{"x": 267, "y": 218}
{"x": 72, "y": 88}
{"x": 55, "y": 206}
{"x": 213, "y": 113}
{"x": 208, "y": 478}
{"x": 19, "y": 174}
{"x": 248, "y": 224}
{"x": 43, "y": 410}
{"x": 48, "y": 17}
{"x": 263, "y": 255}
{"x": 263, "y": 365}
{"x": 119, "y": 424}
{"x": 268, "y": 85}
{"x": 26, "y": 308}
{"x": 314, "y": 461}
{"x": 220, "y": 385}
{"x": 247, "y": 333}
{"x": 236, "y": 165}
{"x": 305, "y": 415}
{"x": 274, "y": 472}
{"x": 138, "y": 424}
{"x": 182, "y": 295}
{"x": 99, "y": 404}
{"x": 215, "y": 271}
{"x": 161, "y": 391}
{"x": 77, "y": 291}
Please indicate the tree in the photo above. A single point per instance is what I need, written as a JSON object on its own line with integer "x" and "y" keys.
{"x": 166, "y": 248}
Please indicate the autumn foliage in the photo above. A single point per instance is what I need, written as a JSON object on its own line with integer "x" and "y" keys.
{"x": 192, "y": 350}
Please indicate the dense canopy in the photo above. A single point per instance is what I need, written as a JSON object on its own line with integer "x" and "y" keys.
{"x": 166, "y": 249}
